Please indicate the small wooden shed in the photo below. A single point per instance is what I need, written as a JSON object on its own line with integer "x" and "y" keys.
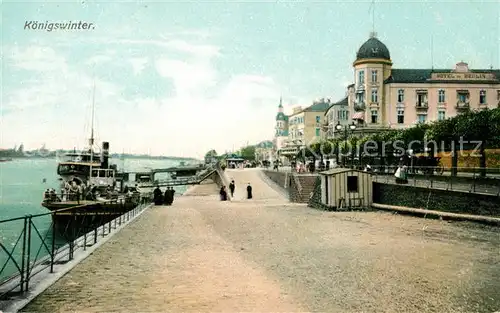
{"x": 345, "y": 188}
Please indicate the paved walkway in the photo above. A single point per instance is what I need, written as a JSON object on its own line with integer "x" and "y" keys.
{"x": 267, "y": 255}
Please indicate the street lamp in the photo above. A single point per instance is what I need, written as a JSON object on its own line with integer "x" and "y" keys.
{"x": 351, "y": 127}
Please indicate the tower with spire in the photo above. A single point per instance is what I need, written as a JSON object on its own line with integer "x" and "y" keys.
{"x": 281, "y": 128}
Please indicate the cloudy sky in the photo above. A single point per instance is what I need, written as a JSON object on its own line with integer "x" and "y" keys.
{"x": 180, "y": 78}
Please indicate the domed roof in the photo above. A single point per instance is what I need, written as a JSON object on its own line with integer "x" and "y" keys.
{"x": 373, "y": 49}
{"x": 281, "y": 116}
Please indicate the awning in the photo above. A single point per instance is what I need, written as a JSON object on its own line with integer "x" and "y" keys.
{"x": 358, "y": 116}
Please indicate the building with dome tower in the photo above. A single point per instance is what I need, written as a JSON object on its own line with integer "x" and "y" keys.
{"x": 384, "y": 97}
{"x": 281, "y": 128}
{"x": 299, "y": 129}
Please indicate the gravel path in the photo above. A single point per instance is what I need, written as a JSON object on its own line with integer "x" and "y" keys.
{"x": 267, "y": 255}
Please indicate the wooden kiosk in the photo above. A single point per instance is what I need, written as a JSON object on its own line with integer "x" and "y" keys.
{"x": 346, "y": 189}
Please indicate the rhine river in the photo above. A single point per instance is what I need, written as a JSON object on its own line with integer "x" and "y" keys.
{"x": 21, "y": 192}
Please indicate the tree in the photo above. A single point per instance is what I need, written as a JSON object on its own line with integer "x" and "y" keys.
{"x": 248, "y": 153}
{"x": 211, "y": 153}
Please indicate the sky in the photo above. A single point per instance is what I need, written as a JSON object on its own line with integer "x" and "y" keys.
{"x": 181, "y": 78}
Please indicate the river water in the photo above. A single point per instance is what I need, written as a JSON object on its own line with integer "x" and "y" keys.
{"x": 21, "y": 192}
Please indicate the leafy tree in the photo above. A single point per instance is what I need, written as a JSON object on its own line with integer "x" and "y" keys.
{"x": 248, "y": 153}
{"x": 211, "y": 153}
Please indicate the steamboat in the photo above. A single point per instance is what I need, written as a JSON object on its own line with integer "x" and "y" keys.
{"x": 92, "y": 190}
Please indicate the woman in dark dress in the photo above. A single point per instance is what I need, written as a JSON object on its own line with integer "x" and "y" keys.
{"x": 223, "y": 193}
{"x": 157, "y": 196}
{"x": 249, "y": 192}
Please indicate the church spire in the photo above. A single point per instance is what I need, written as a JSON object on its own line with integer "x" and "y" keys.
{"x": 281, "y": 102}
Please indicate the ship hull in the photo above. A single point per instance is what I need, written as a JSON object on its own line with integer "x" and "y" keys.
{"x": 85, "y": 217}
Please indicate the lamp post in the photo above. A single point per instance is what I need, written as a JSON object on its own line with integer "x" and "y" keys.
{"x": 346, "y": 128}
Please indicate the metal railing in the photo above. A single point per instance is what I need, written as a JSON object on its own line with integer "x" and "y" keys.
{"x": 465, "y": 181}
{"x": 445, "y": 182}
{"x": 33, "y": 244}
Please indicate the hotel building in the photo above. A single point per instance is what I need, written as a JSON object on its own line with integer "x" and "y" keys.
{"x": 384, "y": 97}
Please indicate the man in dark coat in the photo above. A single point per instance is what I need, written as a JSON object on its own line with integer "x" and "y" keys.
{"x": 171, "y": 197}
{"x": 166, "y": 197}
{"x": 157, "y": 196}
{"x": 249, "y": 191}
{"x": 231, "y": 188}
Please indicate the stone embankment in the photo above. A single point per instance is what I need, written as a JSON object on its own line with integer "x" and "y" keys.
{"x": 266, "y": 254}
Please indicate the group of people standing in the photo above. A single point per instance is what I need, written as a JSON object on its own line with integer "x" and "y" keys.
{"x": 232, "y": 187}
{"x": 161, "y": 198}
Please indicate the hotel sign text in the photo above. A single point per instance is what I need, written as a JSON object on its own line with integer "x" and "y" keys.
{"x": 463, "y": 76}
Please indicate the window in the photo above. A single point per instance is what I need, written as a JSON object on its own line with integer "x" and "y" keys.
{"x": 462, "y": 97}
{"x": 401, "y": 96}
{"x": 318, "y": 119}
{"x": 441, "y": 96}
{"x": 361, "y": 77}
{"x": 374, "y": 96}
{"x": 360, "y": 97}
{"x": 318, "y": 132}
{"x": 352, "y": 184}
{"x": 401, "y": 116}
{"x": 342, "y": 115}
{"x": 421, "y": 99}
{"x": 482, "y": 97}
{"x": 374, "y": 116}
{"x": 441, "y": 115}
{"x": 422, "y": 118}
{"x": 374, "y": 76}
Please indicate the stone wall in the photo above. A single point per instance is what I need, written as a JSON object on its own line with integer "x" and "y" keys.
{"x": 439, "y": 200}
{"x": 278, "y": 177}
{"x": 298, "y": 186}
{"x": 219, "y": 177}
{"x": 401, "y": 195}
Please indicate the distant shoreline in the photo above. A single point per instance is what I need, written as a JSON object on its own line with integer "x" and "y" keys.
{"x": 116, "y": 157}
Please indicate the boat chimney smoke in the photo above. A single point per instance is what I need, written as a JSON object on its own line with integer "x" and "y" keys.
{"x": 105, "y": 154}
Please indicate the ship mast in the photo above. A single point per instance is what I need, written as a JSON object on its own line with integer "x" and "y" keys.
{"x": 91, "y": 140}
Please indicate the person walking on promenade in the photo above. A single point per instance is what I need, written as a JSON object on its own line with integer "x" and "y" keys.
{"x": 249, "y": 191}
{"x": 231, "y": 188}
{"x": 171, "y": 197}
{"x": 157, "y": 196}
{"x": 166, "y": 197}
{"x": 223, "y": 193}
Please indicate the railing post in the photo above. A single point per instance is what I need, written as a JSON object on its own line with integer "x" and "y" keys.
{"x": 23, "y": 254}
{"x": 85, "y": 236}
{"x": 96, "y": 226}
{"x": 109, "y": 225}
{"x": 53, "y": 248}
{"x": 72, "y": 225}
{"x": 28, "y": 258}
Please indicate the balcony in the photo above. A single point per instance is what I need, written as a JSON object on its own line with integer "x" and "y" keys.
{"x": 374, "y": 104}
{"x": 359, "y": 106}
{"x": 422, "y": 106}
{"x": 463, "y": 105}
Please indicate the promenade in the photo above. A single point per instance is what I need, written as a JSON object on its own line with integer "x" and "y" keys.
{"x": 269, "y": 255}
